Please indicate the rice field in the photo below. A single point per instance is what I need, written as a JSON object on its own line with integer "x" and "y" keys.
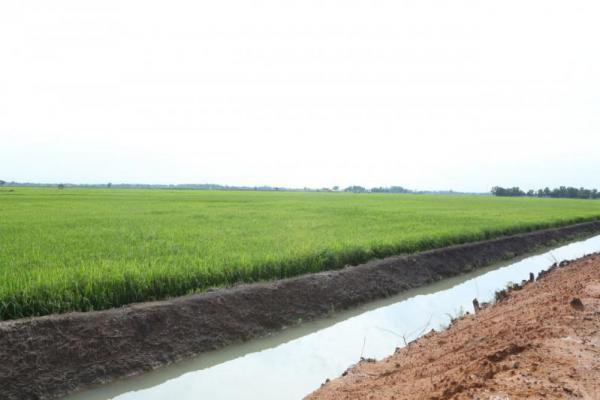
{"x": 89, "y": 249}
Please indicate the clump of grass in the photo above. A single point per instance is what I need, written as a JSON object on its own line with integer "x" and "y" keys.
{"x": 91, "y": 249}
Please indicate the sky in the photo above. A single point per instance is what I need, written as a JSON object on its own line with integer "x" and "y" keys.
{"x": 426, "y": 94}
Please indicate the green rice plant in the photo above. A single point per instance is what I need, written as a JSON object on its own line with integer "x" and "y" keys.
{"x": 91, "y": 249}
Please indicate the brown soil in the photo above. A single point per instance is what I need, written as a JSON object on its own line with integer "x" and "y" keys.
{"x": 541, "y": 341}
{"x": 47, "y": 357}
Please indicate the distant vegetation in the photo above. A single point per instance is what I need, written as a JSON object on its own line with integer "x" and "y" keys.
{"x": 211, "y": 186}
{"x": 355, "y": 189}
{"x": 89, "y": 249}
{"x": 391, "y": 189}
{"x": 561, "y": 192}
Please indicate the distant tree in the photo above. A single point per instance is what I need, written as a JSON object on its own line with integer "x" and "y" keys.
{"x": 391, "y": 189}
{"x": 355, "y": 189}
{"x": 61, "y": 186}
{"x": 109, "y": 185}
{"x": 506, "y": 192}
{"x": 2, "y": 182}
{"x": 398, "y": 189}
{"x": 564, "y": 192}
{"x": 336, "y": 188}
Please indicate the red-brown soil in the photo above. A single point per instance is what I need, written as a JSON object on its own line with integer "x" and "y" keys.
{"x": 539, "y": 342}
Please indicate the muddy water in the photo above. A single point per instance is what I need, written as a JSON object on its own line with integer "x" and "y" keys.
{"x": 291, "y": 364}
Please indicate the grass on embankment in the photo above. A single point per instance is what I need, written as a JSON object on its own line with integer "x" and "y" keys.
{"x": 89, "y": 249}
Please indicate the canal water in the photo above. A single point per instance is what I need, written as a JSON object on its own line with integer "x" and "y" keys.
{"x": 292, "y": 363}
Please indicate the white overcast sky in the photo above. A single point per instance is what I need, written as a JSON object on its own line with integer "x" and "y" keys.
{"x": 425, "y": 94}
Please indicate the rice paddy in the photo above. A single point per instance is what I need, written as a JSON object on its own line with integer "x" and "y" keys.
{"x": 90, "y": 249}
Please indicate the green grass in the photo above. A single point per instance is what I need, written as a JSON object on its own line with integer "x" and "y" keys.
{"x": 88, "y": 249}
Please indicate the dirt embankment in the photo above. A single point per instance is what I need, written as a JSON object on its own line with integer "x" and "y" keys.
{"x": 47, "y": 357}
{"x": 538, "y": 342}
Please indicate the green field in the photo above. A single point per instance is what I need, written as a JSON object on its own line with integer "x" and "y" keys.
{"x": 87, "y": 249}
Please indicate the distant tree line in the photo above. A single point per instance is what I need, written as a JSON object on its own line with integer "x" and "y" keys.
{"x": 400, "y": 189}
{"x": 391, "y": 189}
{"x": 356, "y": 189}
{"x": 211, "y": 186}
{"x": 109, "y": 185}
{"x": 560, "y": 192}
{"x": 507, "y": 192}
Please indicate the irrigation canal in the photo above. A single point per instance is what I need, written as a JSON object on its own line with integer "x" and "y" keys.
{"x": 294, "y": 362}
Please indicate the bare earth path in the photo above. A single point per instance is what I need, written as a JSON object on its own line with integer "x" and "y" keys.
{"x": 540, "y": 342}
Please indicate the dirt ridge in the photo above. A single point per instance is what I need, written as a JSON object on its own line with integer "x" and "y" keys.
{"x": 48, "y": 357}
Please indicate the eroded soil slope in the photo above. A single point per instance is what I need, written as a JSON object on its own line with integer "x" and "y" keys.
{"x": 540, "y": 342}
